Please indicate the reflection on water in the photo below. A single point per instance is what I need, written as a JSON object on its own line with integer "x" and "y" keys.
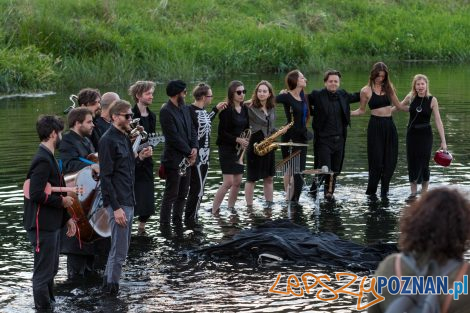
{"x": 162, "y": 274}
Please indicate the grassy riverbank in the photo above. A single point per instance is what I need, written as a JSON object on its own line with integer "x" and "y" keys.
{"x": 71, "y": 43}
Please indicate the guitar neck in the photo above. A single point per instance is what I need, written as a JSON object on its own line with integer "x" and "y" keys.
{"x": 64, "y": 189}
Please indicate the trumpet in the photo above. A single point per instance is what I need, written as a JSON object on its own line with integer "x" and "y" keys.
{"x": 246, "y": 134}
{"x": 184, "y": 164}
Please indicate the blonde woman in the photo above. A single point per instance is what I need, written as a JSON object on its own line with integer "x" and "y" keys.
{"x": 421, "y": 105}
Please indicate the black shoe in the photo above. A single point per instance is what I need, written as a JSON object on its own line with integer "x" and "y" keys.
{"x": 104, "y": 285}
{"x": 112, "y": 289}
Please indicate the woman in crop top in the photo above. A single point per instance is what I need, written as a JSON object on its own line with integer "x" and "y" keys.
{"x": 419, "y": 132}
{"x": 382, "y": 136}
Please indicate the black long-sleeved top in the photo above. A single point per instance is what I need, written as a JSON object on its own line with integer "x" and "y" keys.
{"x": 101, "y": 126}
{"x": 95, "y": 136}
{"x": 299, "y": 111}
{"x": 145, "y": 172}
{"x": 231, "y": 125}
{"x": 117, "y": 169}
{"x": 52, "y": 215}
{"x": 180, "y": 134}
{"x": 71, "y": 148}
{"x": 319, "y": 103}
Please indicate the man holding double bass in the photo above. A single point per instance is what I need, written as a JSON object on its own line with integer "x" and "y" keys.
{"x": 45, "y": 213}
{"x": 82, "y": 257}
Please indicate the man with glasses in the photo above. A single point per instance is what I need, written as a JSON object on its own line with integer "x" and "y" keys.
{"x": 118, "y": 162}
{"x": 202, "y": 120}
{"x": 180, "y": 150}
{"x": 331, "y": 116}
{"x": 142, "y": 94}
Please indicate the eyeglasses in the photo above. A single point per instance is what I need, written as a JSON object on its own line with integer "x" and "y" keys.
{"x": 239, "y": 92}
{"x": 209, "y": 96}
{"x": 128, "y": 116}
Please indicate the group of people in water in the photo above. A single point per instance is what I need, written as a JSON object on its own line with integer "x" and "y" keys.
{"x": 104, "y": 124}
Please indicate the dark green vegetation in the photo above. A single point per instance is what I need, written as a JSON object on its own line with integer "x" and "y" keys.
{"x": 69, "y": 43}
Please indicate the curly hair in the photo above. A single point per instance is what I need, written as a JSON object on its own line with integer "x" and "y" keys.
{"x": 437, "y": 224}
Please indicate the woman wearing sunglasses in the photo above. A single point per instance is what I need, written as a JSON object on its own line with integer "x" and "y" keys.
{"x": 296, "y": 108}
{"x": 233, "y": 122}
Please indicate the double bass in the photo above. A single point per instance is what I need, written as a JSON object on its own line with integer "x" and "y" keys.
{"x": 87, "y": 209}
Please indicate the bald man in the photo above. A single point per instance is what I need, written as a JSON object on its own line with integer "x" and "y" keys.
{"x": 104, "y": 120}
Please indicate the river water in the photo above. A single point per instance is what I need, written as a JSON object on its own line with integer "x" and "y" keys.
{"x": 161, "y": 273}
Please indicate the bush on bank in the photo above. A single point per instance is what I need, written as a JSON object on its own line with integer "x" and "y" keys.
{"x": 109, "y": 42}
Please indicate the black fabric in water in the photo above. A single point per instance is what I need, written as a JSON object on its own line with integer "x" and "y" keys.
{"x": 284, "y": 240}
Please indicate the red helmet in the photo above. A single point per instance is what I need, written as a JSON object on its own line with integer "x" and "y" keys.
{"x": 443, "y": 158}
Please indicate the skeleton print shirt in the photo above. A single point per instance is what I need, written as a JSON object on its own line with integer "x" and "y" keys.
{"x": 202, "y": 119}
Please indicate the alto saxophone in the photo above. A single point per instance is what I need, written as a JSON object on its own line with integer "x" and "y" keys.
{"x": 267, "y": 144}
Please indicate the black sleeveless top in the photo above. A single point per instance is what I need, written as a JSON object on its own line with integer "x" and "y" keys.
{"x": 377, "y": 101}
{"x": 420, "y": 111}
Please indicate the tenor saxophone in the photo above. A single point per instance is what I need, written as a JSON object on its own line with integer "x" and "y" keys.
{"x": 267, "y": 144}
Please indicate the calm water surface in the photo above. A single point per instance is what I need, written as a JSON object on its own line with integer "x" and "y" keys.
{"x": 161, "y": 274}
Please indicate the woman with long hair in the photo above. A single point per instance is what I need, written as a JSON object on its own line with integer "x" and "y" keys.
{"x": 233, "y": 122}
{"x": 262, "y": 117}
{"x": 434, "y": 237}
{"x": 421, "y": 105}
{"x": 382, "y": 136}
{"x": 296, "y": 109}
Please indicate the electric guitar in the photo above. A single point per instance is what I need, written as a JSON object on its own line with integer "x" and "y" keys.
{"x": 153, "y": 140}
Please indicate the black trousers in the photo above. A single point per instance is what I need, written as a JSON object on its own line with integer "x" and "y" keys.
{"x": 382, "y": 153}
{"x": 174, "y": 196}
{"x": 196, "y": 191}
{"x": 46, "y": 265}
{"x": 329, "y": 152}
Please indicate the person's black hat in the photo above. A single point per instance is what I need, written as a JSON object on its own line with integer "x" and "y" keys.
{"x": 174, "y": 87}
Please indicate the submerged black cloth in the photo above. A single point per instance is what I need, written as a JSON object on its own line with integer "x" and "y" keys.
{"x": 296, "y": 243}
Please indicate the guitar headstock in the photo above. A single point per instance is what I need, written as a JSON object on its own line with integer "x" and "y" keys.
{"x": 154, "y": 139}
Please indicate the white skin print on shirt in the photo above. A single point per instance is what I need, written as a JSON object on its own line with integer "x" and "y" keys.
{"x": 203, "y": 131}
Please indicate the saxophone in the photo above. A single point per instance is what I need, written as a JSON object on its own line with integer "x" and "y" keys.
{"x": 267, "y": 144}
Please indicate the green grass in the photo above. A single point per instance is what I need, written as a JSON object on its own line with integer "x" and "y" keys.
{"x": 111, "y": 42}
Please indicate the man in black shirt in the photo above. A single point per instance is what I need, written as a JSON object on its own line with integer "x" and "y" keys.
{"x": 76, "y": 145}
{"x": 180, "y": 144}
{"x": 117, "y": 162}
{"x": 74, "y": 149}
{"x": 103, "y": 122}
{"x": 45, "y": 213}
{"x": 331, "y": 116}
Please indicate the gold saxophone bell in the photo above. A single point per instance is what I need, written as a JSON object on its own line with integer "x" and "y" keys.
{"x": 267, "y": 144}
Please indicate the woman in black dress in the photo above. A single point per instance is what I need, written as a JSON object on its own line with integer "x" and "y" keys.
{"x": 419, "y": 133}
{"x": 233, "y": 122}
{"x": 295, "y": 107}
{"x": 382, "y": 136}
{"x": 262, "y": 117}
